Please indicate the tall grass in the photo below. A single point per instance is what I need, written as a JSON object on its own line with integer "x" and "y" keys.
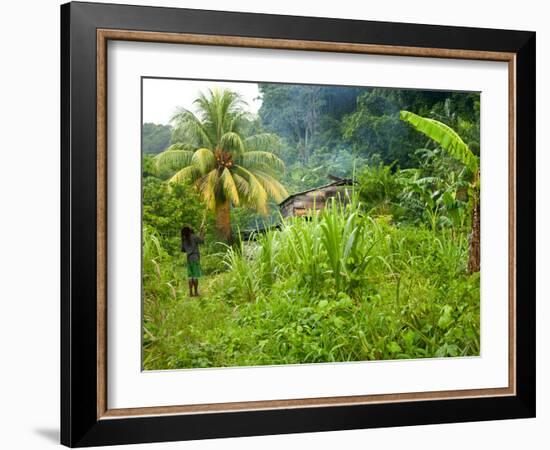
{"x": 340, "y": 286}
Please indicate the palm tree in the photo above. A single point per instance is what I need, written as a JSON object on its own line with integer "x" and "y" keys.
{"x": 214, "y": 155}
{"x": 452, "y": 143}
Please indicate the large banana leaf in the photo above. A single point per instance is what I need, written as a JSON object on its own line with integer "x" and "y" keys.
{"x": 444, "y": 136}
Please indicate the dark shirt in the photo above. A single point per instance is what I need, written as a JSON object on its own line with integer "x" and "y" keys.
{"x": 191, "y": 247}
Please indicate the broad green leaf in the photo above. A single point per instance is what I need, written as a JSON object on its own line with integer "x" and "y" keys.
{"x": 444, "y": 136}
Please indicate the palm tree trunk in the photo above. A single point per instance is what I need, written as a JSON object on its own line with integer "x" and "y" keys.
{"x": 223, "y": 221}
{"x": 474, "y": 257}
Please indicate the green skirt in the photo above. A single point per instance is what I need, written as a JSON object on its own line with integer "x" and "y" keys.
{"x": 194, "y": 269}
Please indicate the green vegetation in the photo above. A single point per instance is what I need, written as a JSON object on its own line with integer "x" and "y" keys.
{"x": 326, "y": 130}
{"x": 386, "y": 274}
{"x": 341, "y": 287}
{"x": 451, "y": 142}
{"x": 225, "y": 166}
{"x": 155, "y": 138}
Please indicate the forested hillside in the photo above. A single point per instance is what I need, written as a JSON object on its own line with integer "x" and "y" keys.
{"x": 324, "y": 130}
{"x": 155, "y": 138}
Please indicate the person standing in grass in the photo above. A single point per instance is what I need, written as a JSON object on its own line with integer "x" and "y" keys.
{"x": 190, "y": 244}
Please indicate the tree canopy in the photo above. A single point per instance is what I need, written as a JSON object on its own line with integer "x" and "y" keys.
{"x": 227, "y": 166}
{"x": 155, "y": 137}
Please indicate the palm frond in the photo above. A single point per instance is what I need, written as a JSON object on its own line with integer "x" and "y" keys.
{"x": 262, "y": 142}
{"x": 257, "y": 197}
{"x": 229, "y": 187}
{"x": 207, "y": 111}
{"x": 261, "y": 160}
{"x": 231, "y": 142}
{"x": 229, "y": 103}
{"x": 188, "y": 175}
{"x": 192, "y": 128}
{"x": 243, "y": 187}
{"x": 444, "y": 136}
{"x": 208, "y": 187}
{"x": 238, "y": 120}
{"x": 273, "y": 187}
{"x": 174, "y": 157}
{"x": 204, "y": 159}
{"x": 217, "y": 107}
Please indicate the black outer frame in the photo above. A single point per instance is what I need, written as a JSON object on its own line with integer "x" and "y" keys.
{"x": 79, "y": 423}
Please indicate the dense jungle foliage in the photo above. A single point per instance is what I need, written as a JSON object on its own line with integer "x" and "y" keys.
{"x": 384, "y": 276}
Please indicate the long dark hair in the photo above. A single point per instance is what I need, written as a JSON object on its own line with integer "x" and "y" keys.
{"x": 186, "y": 233}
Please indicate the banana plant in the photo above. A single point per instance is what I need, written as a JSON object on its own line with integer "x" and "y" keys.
{"x": 452, "y": 143}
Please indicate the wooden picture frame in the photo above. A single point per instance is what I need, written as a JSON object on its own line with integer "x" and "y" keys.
{"x": 86, "y": 418}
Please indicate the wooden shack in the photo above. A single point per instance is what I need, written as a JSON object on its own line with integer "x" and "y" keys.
{"x": 301, "y": 204}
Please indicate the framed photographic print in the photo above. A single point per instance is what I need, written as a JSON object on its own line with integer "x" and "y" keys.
{"x": 276, "y": 224}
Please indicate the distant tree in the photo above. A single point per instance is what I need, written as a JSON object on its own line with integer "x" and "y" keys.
{"x": 374, "y": 128}
{"x": 155, "y": 138}
{"x": 363, "y": 121}
{"x": 460, "y": 111}
{"x": 306, "y": 116}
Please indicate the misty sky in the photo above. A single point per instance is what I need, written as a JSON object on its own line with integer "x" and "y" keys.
{"x": 161, "y": 97}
